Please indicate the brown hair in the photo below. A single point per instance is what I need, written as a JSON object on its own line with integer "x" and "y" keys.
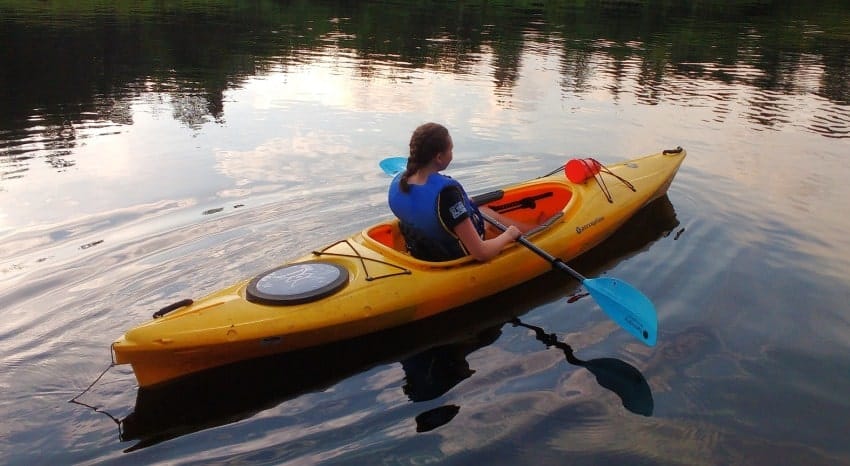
{"x": 427, "y": 141}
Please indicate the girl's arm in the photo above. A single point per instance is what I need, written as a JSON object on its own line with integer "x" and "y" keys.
{"x": 507, "y": 221}
{"x": 484, "y": 250}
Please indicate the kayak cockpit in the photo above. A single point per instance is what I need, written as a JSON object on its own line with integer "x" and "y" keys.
{"x": 541, "y": 203}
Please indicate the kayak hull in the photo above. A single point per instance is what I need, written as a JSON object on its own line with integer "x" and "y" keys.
{"x": 383, "y": 286}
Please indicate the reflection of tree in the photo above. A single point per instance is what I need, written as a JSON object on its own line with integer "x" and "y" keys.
{"x": 191, "y": 109}
{"x": 834, "y": 84}
{"x": 58, "y": 142}
{"x": 575, "y": 70}
{"x": 76, "y": 64}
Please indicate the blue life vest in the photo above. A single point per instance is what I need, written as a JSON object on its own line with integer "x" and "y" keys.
{"x": 419, "y": 213}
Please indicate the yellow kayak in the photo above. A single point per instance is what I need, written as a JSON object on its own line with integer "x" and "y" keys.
{"x": 367, "y": 282}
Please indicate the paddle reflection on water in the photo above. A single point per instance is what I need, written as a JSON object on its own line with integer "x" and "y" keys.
{"x": 618, "y": 376}
{"x": 433, "y": 354}
{"x": 432, "y": 373}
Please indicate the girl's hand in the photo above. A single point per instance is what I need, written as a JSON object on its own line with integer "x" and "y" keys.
{"x": 513, "y": 232}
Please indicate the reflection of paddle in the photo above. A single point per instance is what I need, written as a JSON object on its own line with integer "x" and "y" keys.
{"x": 618, "y": 376}
{"x": 623, "y": 303}
{"x": 433, "y": 418}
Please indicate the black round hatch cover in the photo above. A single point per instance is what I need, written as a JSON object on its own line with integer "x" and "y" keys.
{"x": 297, "y": 283}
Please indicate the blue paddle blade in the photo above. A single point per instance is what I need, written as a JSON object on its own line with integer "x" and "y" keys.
{"x": 625, "y": 305}
{"x": 393, "y": 165}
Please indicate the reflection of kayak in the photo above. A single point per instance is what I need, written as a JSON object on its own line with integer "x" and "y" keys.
{"x": 366, "y": 283}
{"x": 237, "y": 391}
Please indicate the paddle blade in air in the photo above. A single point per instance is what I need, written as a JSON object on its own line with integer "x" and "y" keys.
{"x": 393, "y": 165}
{"x": 625, "y": 305}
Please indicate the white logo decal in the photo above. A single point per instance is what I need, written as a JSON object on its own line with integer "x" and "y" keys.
{"x": 457, "y": 210}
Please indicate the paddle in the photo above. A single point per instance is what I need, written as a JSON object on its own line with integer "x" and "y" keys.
{"x": 393, "y": 165}
{"x": 623, "y": 303}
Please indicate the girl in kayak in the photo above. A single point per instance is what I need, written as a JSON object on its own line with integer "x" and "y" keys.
{"x": 438, "y": 220}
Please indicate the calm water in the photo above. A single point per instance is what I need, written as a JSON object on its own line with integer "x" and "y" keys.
{"x": 151, "y": 152}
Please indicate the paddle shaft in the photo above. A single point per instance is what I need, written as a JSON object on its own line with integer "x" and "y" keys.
{"x": 556, "y": 262}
